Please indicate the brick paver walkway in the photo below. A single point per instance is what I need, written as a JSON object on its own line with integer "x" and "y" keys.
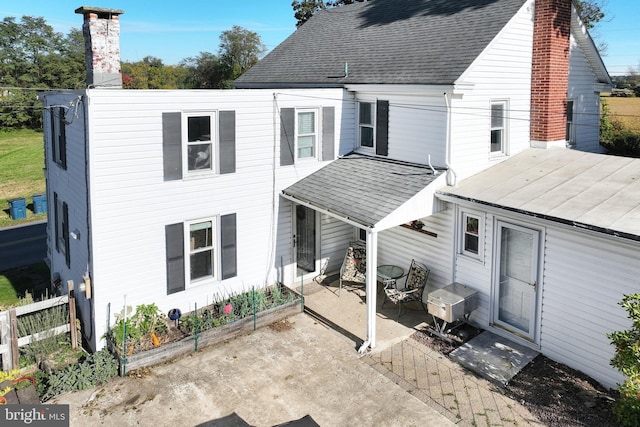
{"x": 458, "y": 394}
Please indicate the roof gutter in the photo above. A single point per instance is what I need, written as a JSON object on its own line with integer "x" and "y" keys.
{"x": 343, "y": 218}
{"x": 454, "y": 198}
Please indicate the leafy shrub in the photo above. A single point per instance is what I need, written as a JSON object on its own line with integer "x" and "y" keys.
{"x": 627, "y": 361}
{"x": 97, "y": 368}
{"x": 144, "y": 321}
{"x": 624, "y": 143}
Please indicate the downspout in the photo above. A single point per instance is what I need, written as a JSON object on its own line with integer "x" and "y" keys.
{"x": 451, "y": 174}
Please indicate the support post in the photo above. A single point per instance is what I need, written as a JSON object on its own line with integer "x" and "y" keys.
{"x": 72, "y": 319}
{"x": 13, "y": 325}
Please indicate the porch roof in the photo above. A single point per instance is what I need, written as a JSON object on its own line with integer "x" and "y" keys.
{"x": 584, "y": 190}
{"x": 371, "y": 191}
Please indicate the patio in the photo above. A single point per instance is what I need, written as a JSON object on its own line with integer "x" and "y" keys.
{"x": 346, "y": 312}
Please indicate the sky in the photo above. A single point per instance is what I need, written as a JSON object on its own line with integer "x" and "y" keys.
{"x": 174, "y": 30}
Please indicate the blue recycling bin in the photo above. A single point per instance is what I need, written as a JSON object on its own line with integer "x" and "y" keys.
{"x": 39, "y": 203}
{"x": 17, "y": 208}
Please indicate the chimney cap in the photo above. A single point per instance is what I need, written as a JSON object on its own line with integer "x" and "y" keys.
{"x": 102, "y": 12}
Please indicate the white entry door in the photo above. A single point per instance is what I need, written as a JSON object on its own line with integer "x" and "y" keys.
{"x": 516, "y": 279}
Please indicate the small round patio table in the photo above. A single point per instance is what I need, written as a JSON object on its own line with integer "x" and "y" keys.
{"x": 389, "y": 272}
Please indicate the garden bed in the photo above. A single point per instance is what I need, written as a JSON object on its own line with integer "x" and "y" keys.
{"x": 204, "y": 327}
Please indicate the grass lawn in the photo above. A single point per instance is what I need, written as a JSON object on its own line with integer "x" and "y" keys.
{"x": 626, "y": 111}
{"x": 21, "y": 172}
{"x": 15, "y": 283}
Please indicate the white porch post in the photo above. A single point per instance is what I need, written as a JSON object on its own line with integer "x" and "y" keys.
{"x": 371, "y": 288}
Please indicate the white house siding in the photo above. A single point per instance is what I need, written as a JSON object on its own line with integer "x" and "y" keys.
{"x": 70, "y": 186}
{"x": 399, "y": 245}
{"x": 417, "y": 125}
{"x": 132, "y": 204}
{"x": 586, "y": 100}
{"x": 335, "y": 236}
{"x": 585, "y": 277}
{"x": 501, "y": 72}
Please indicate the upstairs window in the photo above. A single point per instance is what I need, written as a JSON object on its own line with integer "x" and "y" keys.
{"x": 570, "y": 132}
{"x": 61, "y": 220}
{"x": 58, "y": 137}
{"x": 306, "y": 134}
{"x": 366, "y": 120}
{"x": 199, "y": 152}
{"x": 198, "y": 143}
{"x": 498, "y": 127}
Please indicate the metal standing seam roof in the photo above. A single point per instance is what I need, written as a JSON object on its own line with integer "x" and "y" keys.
{"x": 585, "y": 190}
{"x": 363, "y": 189}
{"x": 384, "y": 42}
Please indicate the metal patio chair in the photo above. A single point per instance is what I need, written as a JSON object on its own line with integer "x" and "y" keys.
{"x": 408, "y": 288}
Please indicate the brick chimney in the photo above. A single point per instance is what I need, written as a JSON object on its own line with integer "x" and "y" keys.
{"x": 101, "y": 31}
{"x": 550, "y": 73}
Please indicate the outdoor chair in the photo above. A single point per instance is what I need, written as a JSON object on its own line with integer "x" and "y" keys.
{"x": 408, "y": 288}
{"x": 354, "y": 265}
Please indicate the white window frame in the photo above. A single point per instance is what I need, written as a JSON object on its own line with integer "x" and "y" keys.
{"x": 504, "y": 128}
{"x": 570, "y": 133}
{"x": 371, "y": 125}
{"x": 466, "y": 214}
{"x": 204, "y": 158}
{"x": 215, "y": 249}
{"x": 315, "y": 134}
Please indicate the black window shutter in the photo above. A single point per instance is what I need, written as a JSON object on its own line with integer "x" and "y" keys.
{"x": 229, "y": 246}
{"x": 56, "y": 220}
{"x": 62, "y": 138}
{"x": 174, "y": 241}
{"x": 227, "y": 141}
{"x": 172, "y": 146}
{"x": 65, "y": 233}
{"x": 53, "y": 134}
{"x": 382, "y": 128}
{"x": 328, "y": 133}
{"x": 287, "y": 136}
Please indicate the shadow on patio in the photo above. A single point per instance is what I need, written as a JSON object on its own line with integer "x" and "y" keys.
{"x": 346, "y": 312}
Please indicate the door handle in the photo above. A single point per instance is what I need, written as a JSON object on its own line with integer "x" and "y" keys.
{"x": 535, "y": 286}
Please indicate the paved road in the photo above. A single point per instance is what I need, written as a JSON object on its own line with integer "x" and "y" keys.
{"x": 23, "y": 245}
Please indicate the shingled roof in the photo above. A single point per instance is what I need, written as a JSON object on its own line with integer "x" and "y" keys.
{"x": 384, "y": 42}
{"x": 363, "y": 189}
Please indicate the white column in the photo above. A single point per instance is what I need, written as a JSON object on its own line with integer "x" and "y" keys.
{"x": 372, "y": 285}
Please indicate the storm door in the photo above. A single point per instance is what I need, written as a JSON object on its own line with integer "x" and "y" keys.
{"x": 305, "y": 240}
{"x": 516, "y": 278}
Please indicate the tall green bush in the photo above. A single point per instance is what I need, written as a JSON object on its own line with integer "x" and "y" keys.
{"x": 627, "y": 361}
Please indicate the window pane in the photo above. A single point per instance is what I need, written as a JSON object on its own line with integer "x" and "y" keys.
{"x": 472, "y": 225}
{"x": 201, "y": 235}
{"x": 306, "y": 123}
{"x": 201, "y": 265}
{"x": 199, "y": 128}
{"x": 366, "y": 137}
{"x": 366, "y": 116}
{"x": 306, "y": 146}
{"x": 471, "y": 243}
{"x": 199, "y": 156}
{"x": 496, "y": 140}
{"x": 497, "y": 115}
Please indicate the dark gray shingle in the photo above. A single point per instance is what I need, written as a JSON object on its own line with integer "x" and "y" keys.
{"x": 384, "y": 42}
{"x": 362, "y": 188}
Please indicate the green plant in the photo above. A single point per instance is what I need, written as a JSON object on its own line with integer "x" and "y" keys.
{"x": 97, "y": 368}
{"x": 147, "y": 319}
{"x": 627, "y": 361}
{"x": 42, "y": 323}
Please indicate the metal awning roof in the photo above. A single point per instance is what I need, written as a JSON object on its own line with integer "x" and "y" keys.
{"x": 370, "y": 191}
{"x": 585, "y": 190}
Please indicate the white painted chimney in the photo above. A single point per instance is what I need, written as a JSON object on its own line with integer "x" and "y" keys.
{"x": 101, "y": 29}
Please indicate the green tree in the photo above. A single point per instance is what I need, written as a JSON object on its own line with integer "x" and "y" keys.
{"x": 240, "y": 49}
{"x": 591, "y": 12}
{"x": 305, "y": 9}
{"x": 203, "y": 71}
{"x": 34, "y": 57}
